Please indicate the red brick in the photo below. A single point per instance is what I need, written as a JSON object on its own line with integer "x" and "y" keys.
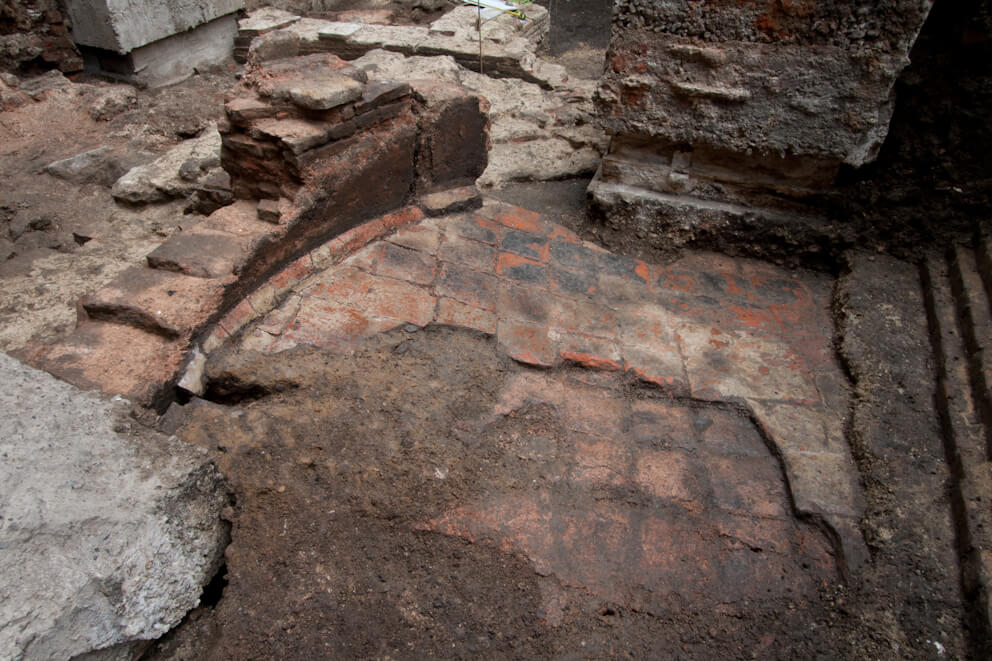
{"x": 468, "y": 286}
{"x": 801, "y": 428}
{"x": 661, "y": 424}
{"x": 291, "y": 274}
{"x": 471, "y": 226}
{"x": 752, "y": 485}
{"x": 663, "y": 370}
{"x": 524, "y": 304}
{"x": 739, "y": 364}
{"x": 564, "y": 234}
{"x": 594, "y": 549}
{"x": 113, "y": 358}
{"x": 526, "y": 343}
{"x": 517, "y": 218}
{"x": 375, "y": 296}
{"x": 675, "y": 560}
{"x": 584, "y": 317}
{"x": 399, "y": 218}
{"x": 215, "y": 339}
{"x": 418, "y": 237}
{"x": 237, "y": 317}
{"x": 769, "y": 535}
{"x": 824, "y": 483}
{"x": 405, "y": 264}
{"x": 529, "y": 387}
{"x": 161, "y": 301}
{"x": 201, "y": 253}
{"x": 364, "y": 258}
{"x": 729, "y": 433}
{"x": 329, "y": 253}
{"x": 455, "y": 313}
{"x": 592, "y": 352}
{"x": 333, "y": 326}
{"x": 600, "y": 461}
{"x": 473, "y": 254}
{"x": 594, "y": 411}
{"x": 521, "y": 269}
{"x": 525, "y": 244}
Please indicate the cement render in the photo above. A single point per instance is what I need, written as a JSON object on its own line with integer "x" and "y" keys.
{"x": 108, "y": 532}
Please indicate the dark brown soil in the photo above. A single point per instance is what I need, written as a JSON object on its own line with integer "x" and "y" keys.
{"x": 337, "y": 462}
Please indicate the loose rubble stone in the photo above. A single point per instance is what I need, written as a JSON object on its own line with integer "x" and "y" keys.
{"x": 112, "y": 101}
{"x": 110, "y": 532}
{"x": 96, "y": 166}
{"x": 162, "y": 179}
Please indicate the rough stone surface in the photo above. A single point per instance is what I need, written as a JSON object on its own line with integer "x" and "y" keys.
{"x": 96, "y": 166}
{"x": 780, "y": 79}
{"x": 723, "y": 115}
{"x": 163, "y": 178}
{"x": 535, "y": 134}
{"x": 508, "y": 45}
{"x": 109, "y": 531}
{"x": 171, "y": 59}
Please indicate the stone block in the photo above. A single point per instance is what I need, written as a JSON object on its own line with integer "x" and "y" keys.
{"x": 454, "y": 136}
{"x": 114, "y": 25}
{"x": 201, "y": 253}
{"x": 173, "y": 57}
{"x": 111, "y": 530}
{"x": 172, "y": 304}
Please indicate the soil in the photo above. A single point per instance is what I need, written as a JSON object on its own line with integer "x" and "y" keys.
{"x": 63, "y": 240}
{"x": 338, "y": 463}
{"x": 334, "y": 459}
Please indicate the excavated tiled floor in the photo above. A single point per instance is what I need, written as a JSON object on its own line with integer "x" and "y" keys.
{"x": 736, "y": 469}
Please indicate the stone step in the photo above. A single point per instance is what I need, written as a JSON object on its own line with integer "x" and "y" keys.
{"x": 964, "y": 440}
{"x": 114, "y": 358}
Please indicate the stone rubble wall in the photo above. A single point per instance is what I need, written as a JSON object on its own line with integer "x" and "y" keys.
{"x": 730, "y": 118}
{"x": 508, "y": 45}
{"x": 36, "y": 33}
{"x": 313, "y": 148}
{"x": 540, "y": 130}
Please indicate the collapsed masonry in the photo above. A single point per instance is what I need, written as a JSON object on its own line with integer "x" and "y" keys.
{"x": 314, "y": 148}
{"x": 727, "y": 120}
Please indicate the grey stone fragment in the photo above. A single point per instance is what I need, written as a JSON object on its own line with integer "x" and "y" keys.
{"x": 96, "y": 166}
{"x": 116, "y": 26}
{"x": 160, "y": 180}
{"x": 112, "y": 101}
{"x": 324, "y": 93}
{"x": 109, "y": 530}
{"x": 7, "y": 249}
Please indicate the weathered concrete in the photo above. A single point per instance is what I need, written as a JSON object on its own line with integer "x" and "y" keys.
{"x": 172, "y": 59}
{"x": 121, "y": 27}
{"x": 109, "y": 531}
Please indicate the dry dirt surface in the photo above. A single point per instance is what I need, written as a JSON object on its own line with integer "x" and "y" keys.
{"x": 60, "y": 240}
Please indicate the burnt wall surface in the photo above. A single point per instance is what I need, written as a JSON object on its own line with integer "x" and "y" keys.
{"x": 795, "y": 129}
{"x": 871, "y": 26}
{"x": 780, "y": 76}
{"x": 34, "y": 36}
